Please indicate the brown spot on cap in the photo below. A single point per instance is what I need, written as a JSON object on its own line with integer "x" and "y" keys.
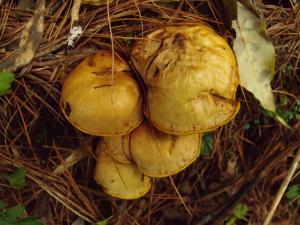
{"x": 104, "y": 85}
{"x": 91, "y": 61}
{"x": 68, "y": 109}
{"x": 179, "y": 40}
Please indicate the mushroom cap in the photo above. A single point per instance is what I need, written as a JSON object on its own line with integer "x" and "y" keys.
{"x": 178, "y": 116}
{"x": 120, "y": 180}
{"x": 97, "y": 104}
{"x": 189, "y": 71}
{"x": 117, "y": 147}
{"x": 158, "y": 154}
{"x": 96, "y": 2}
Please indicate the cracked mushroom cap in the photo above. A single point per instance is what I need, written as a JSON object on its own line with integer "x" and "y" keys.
{"x": 98, "y": 103}
{"x": 120, "y": 180}
{"x": 158, "y": 154}
{"x": 117, "y": 147}
{"x": 191, "y": 74}
{"x": 96, "y": 2}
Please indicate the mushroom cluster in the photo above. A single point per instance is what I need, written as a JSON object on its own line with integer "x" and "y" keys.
{"x": 190, "y": 73}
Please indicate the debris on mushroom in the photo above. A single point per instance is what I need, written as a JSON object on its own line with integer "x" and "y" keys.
{"x": 120, "y": 180}
{"x": 117, "y": 147}
{"x": 191, "y": 74}
{"x": 76, "y": 29}
{"x": 99, "y": 101}
{"x": 158, "y": 154}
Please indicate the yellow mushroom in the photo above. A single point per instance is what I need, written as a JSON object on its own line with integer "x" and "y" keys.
{"x": 191, "y": 75}
{"x": 158, "y": 154}
{"x": 99, "y": 102}
{"x": 120, "y": 180}
{"x": 117, "y": 147}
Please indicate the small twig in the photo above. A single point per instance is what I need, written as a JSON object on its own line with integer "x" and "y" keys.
{"x": 47, "y": 50}
{"x": 282, "y": 188}
{"x": 71, "y": 160}
{"x": 180, "y": 197}
{"x": 221, "y": 213}
{"x": 75, "y": 30}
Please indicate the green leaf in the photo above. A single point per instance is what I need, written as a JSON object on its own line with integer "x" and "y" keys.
{"x": 12, "y": 216}
{"x": 231, "y": 221}
{"x": 297, "y": 116}
{"x": 255, "y": 55}
{"x": 16, "y": 179}
{"x": 298, "y": 200}
{"x": 284, "y": 100}
{"x": 298, "y": 101}
{"x": 207, "y": 147}
{"x": 31, "y": 220}
{"x": 240, "y": 211}
{"x": 14, "y": 212}
{"x": 6, "y": 79}
{"x": 293, "y": 192}
{"x": 105, "y": 221}
{"x": 247, "y": 126}
{"x": 2, "y": 205}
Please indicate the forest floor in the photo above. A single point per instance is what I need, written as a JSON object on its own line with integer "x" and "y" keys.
{"x": 36, "y": 138}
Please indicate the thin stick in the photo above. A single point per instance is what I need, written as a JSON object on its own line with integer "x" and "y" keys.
{"x": 179, "y": 195}
{"x": 112, "y": 51}
{"x": 282, "y": 189}
{"x": 75, "y": 29}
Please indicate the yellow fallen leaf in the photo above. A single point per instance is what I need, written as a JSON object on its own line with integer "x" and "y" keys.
{"x": 255, "y": 55}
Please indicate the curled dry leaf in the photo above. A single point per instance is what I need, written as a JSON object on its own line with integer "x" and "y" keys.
{"x": 255, "y": 55}
{"x": 30, "y": 40}
{"x": 72, "y": 159}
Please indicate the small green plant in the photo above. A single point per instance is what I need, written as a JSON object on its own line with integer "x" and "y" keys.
{"x": 288, "y": 70}
{"x": 105, "y": 221}
{"x": 293, "y": 113}
{"x": 6, "y": 79}
{"x": 238, "y": 213}
{"x": 207, "y": 147}
{"x": 15, "y": 215}
{"x": 16, "y": 179}
{"x": 247, "y": 126}
{"x": 283, "y": 112}
{"x": 293, "y": 194}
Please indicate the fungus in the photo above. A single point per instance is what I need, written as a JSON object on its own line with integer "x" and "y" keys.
{"x": 158, "y": 154}
{"x": 117, "y": 147}
{"x": 191, "y": 74}
{"x": 120, "y": 180}
{"x": 99, "y": 102}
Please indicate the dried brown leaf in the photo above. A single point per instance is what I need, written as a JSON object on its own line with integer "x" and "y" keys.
{"x": 30, "y": 40}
